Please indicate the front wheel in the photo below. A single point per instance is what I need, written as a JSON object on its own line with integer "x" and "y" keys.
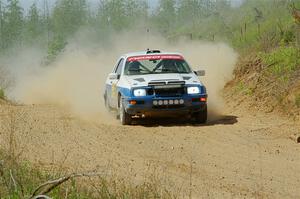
{"x": 201, "y": 116}
{"x": 125, "y": 118}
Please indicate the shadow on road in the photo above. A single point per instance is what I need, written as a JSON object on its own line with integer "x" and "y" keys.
{"x": 171, "y": 122}
{"x": 223, "y": 120}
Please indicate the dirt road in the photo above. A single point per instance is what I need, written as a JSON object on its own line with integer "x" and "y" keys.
{"x": 240, "y": 155}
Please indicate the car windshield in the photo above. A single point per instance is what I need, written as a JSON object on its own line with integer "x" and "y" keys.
{"x": 142, "y": 65}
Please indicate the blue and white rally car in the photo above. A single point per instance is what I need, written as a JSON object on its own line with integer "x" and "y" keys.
{"x": 153, "y": 83}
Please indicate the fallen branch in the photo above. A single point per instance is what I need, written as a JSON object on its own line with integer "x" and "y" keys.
{"x": 41, "y": 197}
{"x": 13, "y": 180}
{"x": 55, "y": 183}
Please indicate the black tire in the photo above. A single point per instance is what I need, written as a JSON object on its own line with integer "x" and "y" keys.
{"x": 125, "y": 118}
{"x": 201, "y": 116}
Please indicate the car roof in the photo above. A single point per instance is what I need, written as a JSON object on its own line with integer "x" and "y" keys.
{"x": 141, "y": 53}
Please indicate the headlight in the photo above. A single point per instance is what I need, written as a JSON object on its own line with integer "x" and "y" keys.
{"x": 193, "y": 90}
{"x": 139, "y": 92}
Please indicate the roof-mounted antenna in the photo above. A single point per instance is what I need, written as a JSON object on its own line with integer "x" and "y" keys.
{"x": 152, "y": 51}
{"x": 148, "y": 31}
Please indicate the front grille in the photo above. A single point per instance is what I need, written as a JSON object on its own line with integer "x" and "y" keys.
{"x": 176, "y": 82}
{"x": 170, "y": 92}
{"x": 157, "y": 83}
{"x": 150, "y": 91}
{"x": 171, "y": 88}
{"x": 166, "y": 83}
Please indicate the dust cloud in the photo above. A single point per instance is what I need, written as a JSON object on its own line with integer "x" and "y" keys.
{"x": 76, "y": 80}
{"x": 218, "y": 60}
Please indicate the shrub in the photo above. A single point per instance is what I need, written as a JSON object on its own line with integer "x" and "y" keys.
{"x": 282, "y": 61}
{"x": 243, "y": 88}
{"x": 54, "y": 49}
{"x": 2, "y": 95}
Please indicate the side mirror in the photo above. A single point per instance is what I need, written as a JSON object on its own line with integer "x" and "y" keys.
{"x": 113, "y": 76}
{"x": 200, "y": 72}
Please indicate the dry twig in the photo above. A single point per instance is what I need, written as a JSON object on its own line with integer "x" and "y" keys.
{"x": 57, "y": 182}
{"x": 13, "y": 180}
{"x": 41, "y": 197}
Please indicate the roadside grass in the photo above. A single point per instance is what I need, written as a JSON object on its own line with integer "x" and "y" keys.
{"x": 20, "y": 180}
{"x": 243, "y": 88}
{"x": 270, "y": 77}
{"x": 282, "y": 61}
{"x": 2, "y": 94}
{"x": 297, "y": 101}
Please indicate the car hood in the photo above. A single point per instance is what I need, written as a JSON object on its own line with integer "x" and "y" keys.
{"x": 143, "y": 80}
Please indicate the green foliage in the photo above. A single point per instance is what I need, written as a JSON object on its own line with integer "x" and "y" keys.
{"x": 2, "y": 94}
{"x": 112, "y": 14}
{"x": 165, "y": 19}
{"x": 33, "y": 25}
{"x": 11, "y": 24}
{"x": 20, "y": 179}
{"x": 55, "y": 47}
{"x": 68, "y": 16}
{"x": 121, "y": 14}
{"x": 259, "y": 24}
{"x": 243, "y": 88}
{"x": 282, "y": 61}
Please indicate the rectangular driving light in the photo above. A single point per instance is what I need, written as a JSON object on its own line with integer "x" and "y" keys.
{"x": 193, "y": 90}
{"x": 139, "y": 92}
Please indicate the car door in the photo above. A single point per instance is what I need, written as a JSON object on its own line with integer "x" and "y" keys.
{"x": 113, "y": 98}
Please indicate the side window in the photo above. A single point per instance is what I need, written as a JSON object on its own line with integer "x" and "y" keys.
{"x": 120, "y": 67}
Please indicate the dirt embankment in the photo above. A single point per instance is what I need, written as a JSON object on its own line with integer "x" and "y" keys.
{"x": 254, "y": 85}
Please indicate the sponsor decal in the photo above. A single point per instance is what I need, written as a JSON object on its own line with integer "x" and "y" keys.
{"x": 154, "y": 57}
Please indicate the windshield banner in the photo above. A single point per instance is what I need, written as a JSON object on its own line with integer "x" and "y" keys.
{"x": 155, "y": 57}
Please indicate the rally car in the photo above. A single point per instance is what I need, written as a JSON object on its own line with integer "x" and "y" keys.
{"x": 154, "y": 83}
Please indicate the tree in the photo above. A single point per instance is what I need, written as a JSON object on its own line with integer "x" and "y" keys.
{"x": 46, "y": 21}
{"x": 165, "y": 17}
{"x": 68, "y": 17}
{"x": 34, "y": 24}
{"x": 1, "y": 26}
{"x": 189, "y": 12}
{"x": 12, "y": 23}
{"x": 134, "y": 8}
{"x": 112, "y": 14}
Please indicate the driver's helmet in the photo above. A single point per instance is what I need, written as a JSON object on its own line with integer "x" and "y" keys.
{"x": 169, "y": 66}
{"x": 134, "y": 68}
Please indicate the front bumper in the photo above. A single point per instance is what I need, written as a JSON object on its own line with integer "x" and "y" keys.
{"x": 145, "y": 107}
